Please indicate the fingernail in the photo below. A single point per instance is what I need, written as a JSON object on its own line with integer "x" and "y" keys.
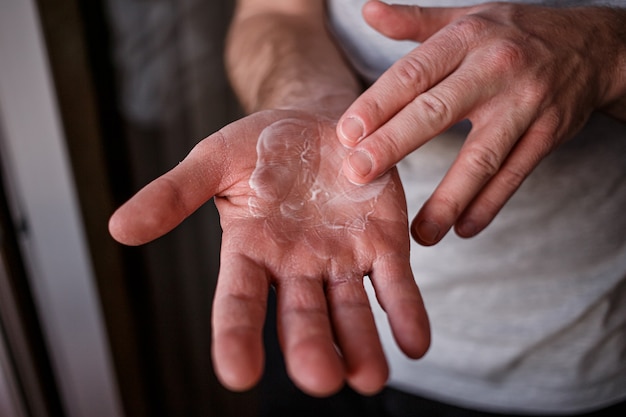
{"x": 428, "y": 232}
{"x": 467, "y": 229}
{"x": 352, "y": 129}
{"x": 360, "y": 163}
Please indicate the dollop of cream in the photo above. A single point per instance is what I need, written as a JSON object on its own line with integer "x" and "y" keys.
{"x": 297, "y": 181}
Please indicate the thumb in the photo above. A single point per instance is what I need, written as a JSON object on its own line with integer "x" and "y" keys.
{"x": 165, "y": 202}
{"x": 402, "y": 22}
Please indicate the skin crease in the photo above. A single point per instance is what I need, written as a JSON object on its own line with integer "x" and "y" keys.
{"x": 527, "y": 77}
{"x": 297, "y": 179}
{"x": 326, "y": 328}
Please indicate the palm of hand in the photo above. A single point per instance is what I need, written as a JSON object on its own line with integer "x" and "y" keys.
{"x": 291, "y": 219}
{"x": 299, "y": 200}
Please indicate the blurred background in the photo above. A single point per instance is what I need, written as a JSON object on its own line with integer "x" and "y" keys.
{"x": 97, "y": 98}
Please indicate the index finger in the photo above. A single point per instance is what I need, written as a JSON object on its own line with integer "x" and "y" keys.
{"x": 409, "y": 77}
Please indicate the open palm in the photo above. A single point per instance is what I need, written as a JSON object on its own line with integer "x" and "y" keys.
{"x": 291, "y": 219}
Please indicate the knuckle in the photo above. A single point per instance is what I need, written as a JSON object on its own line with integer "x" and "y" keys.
{"x": 372, "y": 109}
{"x": 487, "y": 208}
{"x": 545, "y": 135}
{"x": 434, "y": 109}
{"x": 175, "y": 196}
{"x": 470, "y": 26}
{"x": 448, "y": 208}
{"x": 410, "y": 72}
{"x": 511, "y": 177}
{"x": 534, "y": 92}
{"x": 387, "y": 148}
{"x": 551, "y": 122}
{"x": 482, "y": 161}
{"x": 508, "y": 55}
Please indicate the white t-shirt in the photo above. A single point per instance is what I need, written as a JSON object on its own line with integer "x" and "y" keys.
{"x": 529, "y": 316}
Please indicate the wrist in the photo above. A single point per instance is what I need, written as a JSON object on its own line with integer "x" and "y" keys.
{"x": 278, "y": 61}
{"x": 301, "y": 87}
{"x": 331, "y": 104}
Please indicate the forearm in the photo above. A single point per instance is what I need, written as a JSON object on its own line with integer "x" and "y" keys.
{"x": 280, "y": 59}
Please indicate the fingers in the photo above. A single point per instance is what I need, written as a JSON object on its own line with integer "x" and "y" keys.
{"x": 421, "y": 95}
{"x": 321, "y": 354}
{"x": 480, "y": 158}
{"x": 429, "y": 114}
{"x": 410, "y": 76}
{"x": 356, "y": 334}
{"x": 165, "y": 202}
{"x": 395, "y": 117}
{"x": 491, "y": 166}
{"x": 409, "y": 22}
{"x": 304, "y": 329}
{"x": 238, "y": 316}
{"x": 524, "y": 158}
{"x": 399, "y": 296}
{"x": 407, "y": 79}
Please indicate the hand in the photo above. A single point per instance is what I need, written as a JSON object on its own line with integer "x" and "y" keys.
{"x": 527, "y": 78}
{"x": 291, "y": 220}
